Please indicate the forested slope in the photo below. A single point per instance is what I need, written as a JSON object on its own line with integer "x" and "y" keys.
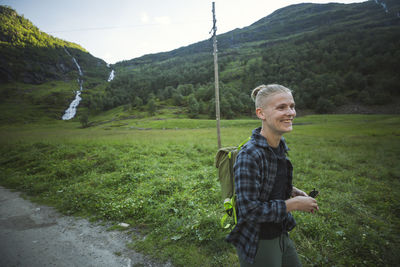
{"x": 330, "y": 54}
{"x": 38, "y": 75}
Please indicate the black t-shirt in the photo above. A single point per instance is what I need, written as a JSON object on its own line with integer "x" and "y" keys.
{"x": 271, "y": 230}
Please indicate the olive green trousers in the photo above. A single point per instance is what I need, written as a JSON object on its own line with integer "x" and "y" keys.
{"x": 275, "y": 252}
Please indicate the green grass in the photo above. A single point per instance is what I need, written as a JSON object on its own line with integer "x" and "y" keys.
{"x": 164, "y": 183}
{"x": 26, "y": 103}
{"x": 41, "y": 103}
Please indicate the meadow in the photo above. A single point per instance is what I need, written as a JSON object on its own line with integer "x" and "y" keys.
{"x": 158, "y": 175}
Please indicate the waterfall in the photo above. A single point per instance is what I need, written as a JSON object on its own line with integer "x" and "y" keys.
{"x": 112, "y": 74}
{"x": 382, "y": 4}
{"x": 71, "y": 111}
{"x": 77, "y": 65}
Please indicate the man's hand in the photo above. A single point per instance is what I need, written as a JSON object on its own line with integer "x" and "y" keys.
{"x": 297, "y": 192}
{"x": 302, "y": 203}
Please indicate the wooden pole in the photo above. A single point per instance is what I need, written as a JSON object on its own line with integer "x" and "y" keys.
{"x": 217, "y": 111}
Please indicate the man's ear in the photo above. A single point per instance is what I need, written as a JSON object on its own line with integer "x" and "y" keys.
{"x": 260, "y": 113}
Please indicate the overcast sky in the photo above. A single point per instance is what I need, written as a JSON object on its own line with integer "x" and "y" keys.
{"x": 124, "y": 29}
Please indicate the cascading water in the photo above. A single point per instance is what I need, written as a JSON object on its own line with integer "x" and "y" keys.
{"x": 383, "y": 4}
{"x": 112, "y": 74}
{"x": 71, "y": 111}
{"x": 77, "y": 65}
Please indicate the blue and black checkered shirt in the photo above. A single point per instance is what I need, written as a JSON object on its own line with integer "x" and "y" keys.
{"x": 255, "y": 172}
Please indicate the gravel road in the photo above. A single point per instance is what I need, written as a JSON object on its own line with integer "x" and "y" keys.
{"x": 36, "y": 235}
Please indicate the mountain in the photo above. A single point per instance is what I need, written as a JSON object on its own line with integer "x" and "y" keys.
{"x": 38, "y": 72}
{"x": 330, "y": 54}
{"x": 31, "y": 56}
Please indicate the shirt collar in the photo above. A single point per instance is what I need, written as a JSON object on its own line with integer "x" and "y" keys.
{"x": 261, "y": 141}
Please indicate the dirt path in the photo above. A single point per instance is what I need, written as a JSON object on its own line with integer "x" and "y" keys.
{"x": 36, "y": 235}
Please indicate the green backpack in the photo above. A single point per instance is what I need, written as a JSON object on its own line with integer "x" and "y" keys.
{"x": 224, "y": 161}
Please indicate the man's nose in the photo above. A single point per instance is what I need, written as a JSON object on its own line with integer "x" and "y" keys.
{"x": 291, "y": 111}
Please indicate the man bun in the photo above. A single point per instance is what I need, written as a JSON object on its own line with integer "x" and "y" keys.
{"x": 255, "y": 92}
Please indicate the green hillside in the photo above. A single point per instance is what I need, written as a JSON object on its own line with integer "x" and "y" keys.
{"x": 38, "y": 78}
{"x": 31, "y": 56}
{"x": 330, "y": 54}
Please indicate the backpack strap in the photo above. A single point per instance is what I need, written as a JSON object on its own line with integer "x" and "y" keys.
{"x": 244, "y": 142}
{"x": 231, "y": 172}
{"x": 230, "y": 211}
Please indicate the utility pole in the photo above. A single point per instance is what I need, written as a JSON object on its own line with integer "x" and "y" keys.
{"x": 217, "y": 113}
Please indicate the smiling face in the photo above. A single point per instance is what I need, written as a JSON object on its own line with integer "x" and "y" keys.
{"x": 277, "y": 114}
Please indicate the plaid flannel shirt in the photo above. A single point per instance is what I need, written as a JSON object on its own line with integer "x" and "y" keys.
{"x": 255, "y": 173}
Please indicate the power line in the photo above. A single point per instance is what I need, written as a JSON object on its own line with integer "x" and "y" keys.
{"x": 129, "y": 26}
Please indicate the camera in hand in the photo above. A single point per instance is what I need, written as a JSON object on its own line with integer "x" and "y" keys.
{"x": 313, "y": 193}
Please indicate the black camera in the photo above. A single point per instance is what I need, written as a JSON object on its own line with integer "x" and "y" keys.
{"x": 313, "y": 193}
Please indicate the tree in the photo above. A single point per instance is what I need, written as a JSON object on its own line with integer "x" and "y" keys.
{"x": 177, "y": 98}
{"x": 185, "y": 89}
{"x": 226, "y": 109}
{"x": 151, "y": 107}
{"x": 324, "y": 105}
{"x": 84, "y": 119}
{"x": 137, "y": 102}
{"x": 194, "y": 107}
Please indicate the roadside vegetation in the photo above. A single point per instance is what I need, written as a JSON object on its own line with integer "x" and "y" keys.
{"x": 159, "y": 177}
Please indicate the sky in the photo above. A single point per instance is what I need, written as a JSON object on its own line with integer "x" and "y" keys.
{"x": 116, "y": 30}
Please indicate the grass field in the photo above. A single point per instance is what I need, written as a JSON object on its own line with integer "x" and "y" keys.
{"x": 162, "y": 180}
